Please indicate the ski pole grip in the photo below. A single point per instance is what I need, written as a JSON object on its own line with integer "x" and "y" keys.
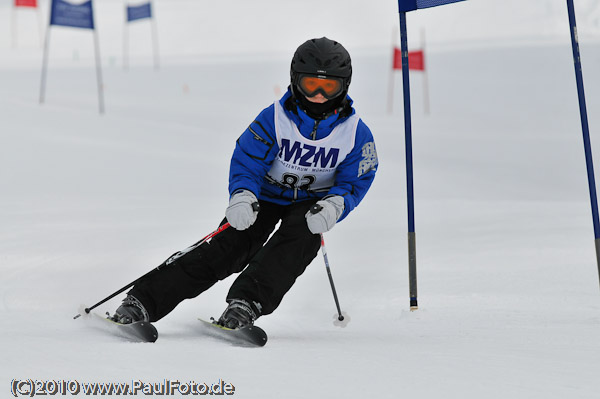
{"x": 255, "y": 206}
{"x": 316, "y": 208}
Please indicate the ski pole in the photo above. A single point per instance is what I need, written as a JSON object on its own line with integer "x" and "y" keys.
{"x": 168, "y": 261}
{"x": 315, "y": 209}
{"x": 335, "y": 297}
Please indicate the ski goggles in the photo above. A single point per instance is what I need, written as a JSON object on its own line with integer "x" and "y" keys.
{"x": 311, "y": 85}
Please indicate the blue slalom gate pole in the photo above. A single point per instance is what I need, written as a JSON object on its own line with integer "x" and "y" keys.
{"x": 412, "y": 250}
{"x": 585, "y": 128}
{"x": 405, "y": 6}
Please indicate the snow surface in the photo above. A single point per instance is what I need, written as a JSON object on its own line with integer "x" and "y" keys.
{"x": 508, "y": 282}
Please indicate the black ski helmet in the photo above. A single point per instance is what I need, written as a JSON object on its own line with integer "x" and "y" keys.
{"x": 324, "y": 57}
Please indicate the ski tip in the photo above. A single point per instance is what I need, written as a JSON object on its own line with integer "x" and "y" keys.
{"x": 260, "y": 335}
{"x": 152, "y": 333}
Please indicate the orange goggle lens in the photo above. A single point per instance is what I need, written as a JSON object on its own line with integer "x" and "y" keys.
{"x": 312, "y": 85}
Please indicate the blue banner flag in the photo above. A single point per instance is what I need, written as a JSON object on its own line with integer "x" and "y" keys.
{"x": 411, "y": 5}
{"x": 139, "y": 12}
{"x": 64, "y": 13}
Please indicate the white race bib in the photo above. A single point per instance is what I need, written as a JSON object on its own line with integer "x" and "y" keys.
{"x": 309, "y": 164}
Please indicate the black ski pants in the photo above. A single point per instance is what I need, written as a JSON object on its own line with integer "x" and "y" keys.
{"x": 270, "y": 265}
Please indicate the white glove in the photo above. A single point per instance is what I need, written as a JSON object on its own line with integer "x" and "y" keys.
{"x": 242, "y": 210}
{"x": 324, "y": 214}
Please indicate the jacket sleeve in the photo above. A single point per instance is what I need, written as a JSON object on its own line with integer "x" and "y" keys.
{"x": 356, "y": 173}
{"x": 254, "y": 152}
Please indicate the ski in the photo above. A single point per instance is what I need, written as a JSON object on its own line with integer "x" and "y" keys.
{"x": 246, "y": 336}
{"x": 145, "y": 332}
{"x": 140, "y": 331}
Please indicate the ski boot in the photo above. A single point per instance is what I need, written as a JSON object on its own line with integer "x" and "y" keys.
{"x": 130, "y": 311}
{"x": 239, "y": 314}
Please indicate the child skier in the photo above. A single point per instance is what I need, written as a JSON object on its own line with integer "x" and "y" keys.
{"x": 308, "y": 148}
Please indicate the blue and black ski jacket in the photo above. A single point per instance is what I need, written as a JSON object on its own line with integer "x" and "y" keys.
{"x": 258, "y": 147}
